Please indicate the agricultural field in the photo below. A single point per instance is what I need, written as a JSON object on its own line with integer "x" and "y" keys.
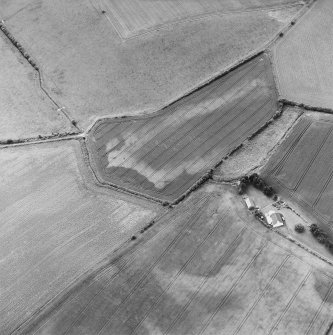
{"x": 93, "y": 71}
{"x": 303, "y": 58}
{"x": 302, "y": 167}
{"x": 165, "y": 154}
{"x": 25, "y": 111}
{"x": 132, "y": 17}
{"x": 202, "y": 269}
{"x": 255, "y": 152}
{"x": 55, "y": 226}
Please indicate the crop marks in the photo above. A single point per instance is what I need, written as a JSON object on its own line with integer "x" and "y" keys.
{"x": 303, "y": 166}
{"x": 198, "y": 273}
{"x": 165, "y": 154}
{"x": 303, "y": 58}
{"x": 132, "y": 17}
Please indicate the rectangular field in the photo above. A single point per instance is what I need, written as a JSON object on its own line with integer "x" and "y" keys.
{"x": 165, "y": 154}
{"x": 302, "y": 166}
{"x": 200, "y": 270}
{"x": 132, "y": 17}
{"x": 55, "y": 225}
{"x": 303, "y": 58}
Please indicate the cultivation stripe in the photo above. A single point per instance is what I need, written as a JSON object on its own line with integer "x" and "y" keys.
{"x": 209, "y": 163}
{"x": 191, "y": 129}
{"x": 176, "y": 239}
{"x": 223, "y": 258}
{"x": 202, "y": 143}
{"x": 291, "y": 148}
{"x": 159, "y": 299}
{"x": 313, "y": 159}
{"x": 183, "y": 267}
{"x": 189, "y": 109}
{"x": 212, "y": 123}
{"x": 289, "y": 303}
{"x": 58, "y": 248}
{"x": 141, "y": 246}
{"x": 206, "y": 324}
{"x": 320, "y": 194}
{"x": 319, "y": 309}
{"x": 260, "y": 296}
{"x": 146, "y": 275}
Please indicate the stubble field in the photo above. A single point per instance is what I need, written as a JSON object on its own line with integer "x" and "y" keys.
{"x": 303, "y": 58}
{"x": 164, "y": 155}
{"x": 302, "y": 167}
{"x": 203, "y": 269}
{"x": 89, "y": 69}
{"x": 55, "y": 225}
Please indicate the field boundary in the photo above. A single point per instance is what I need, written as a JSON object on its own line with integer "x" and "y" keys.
{"x": 32, "y": 62}
{"x": 194, "y": 18}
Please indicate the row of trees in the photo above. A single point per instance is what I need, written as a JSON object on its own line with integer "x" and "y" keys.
{"x": 255, "y": 180}
{"x": 321, "y": 236}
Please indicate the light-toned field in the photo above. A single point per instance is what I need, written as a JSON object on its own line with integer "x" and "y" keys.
{"x": 54, "y": 225}
{"x": 132, "y": 17}
{"x": 255, "y": 152}
{"x": 302, "y": 167}
{"x": 25, "y": 111}
{"x": 88, "y": 68}
{"x": 165, "y": 154}
{"x": 208, "y": 267}
{"x": 304, "y": 58}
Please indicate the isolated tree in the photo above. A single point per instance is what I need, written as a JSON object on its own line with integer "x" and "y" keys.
{"x": 299, "y": 228}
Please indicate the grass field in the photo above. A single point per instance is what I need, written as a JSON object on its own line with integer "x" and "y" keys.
{"x": 132, "y": 17}
{"x": 303, "y": 58}
{"x": 203, "y": 269}
{"x": 25, "y": 110}
{"x": 164, "y": 155}
{"x": 90, "y": 70}
{"x": 54, "y": 225}
{"x": 302, "y": 166}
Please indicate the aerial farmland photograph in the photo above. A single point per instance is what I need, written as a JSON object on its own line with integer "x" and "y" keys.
{"x": 166, "y": 167}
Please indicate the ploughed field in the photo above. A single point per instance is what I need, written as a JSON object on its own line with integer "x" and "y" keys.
{"x": 88, "y": 68}
{"x": 206, "y": 267}
{"x": 55, "y": 225}
{"x": 164, "y": 155}
{"x": 132, "y": 17}
{"x": 304, "y": 58}
{"x": 302, "y": 167}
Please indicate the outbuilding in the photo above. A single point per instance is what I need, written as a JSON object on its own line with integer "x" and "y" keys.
{"x": 250, "y": 203}
{"x": 275, "y": 219}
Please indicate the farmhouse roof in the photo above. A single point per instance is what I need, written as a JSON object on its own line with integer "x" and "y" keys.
{"x": 275, "y": 219}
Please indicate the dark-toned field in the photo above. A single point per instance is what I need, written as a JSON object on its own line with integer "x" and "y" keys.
{"x": 302, "y": 167}
{"x": 206, "y": 268}
{"x": 165, "y": 154}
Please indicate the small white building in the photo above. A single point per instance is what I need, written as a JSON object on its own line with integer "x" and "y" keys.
{"x": 250, "y": 203}
{"x": 275, "y": 219}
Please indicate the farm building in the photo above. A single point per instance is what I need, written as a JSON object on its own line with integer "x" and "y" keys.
{"x": 250, "y": 203}
{"x": 275, "y": 219}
